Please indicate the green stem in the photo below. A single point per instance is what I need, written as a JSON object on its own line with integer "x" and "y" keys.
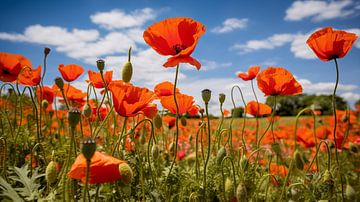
{"x": 257, "y": 111}
{"x": 209, "y": 145}
{"x": 120, "y": 137}
{"x": 86, "y": 180}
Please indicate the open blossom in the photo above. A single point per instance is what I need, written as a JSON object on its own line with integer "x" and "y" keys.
{"x": 250, "y": 75}
{"x": 329, "y": 44}
{"x": 96, "y": 80}
{"x": 257, "y": 109}
{"x": 29, "y": 76}
{"x": 70, "y": 72}
{"x": 11, "y": 65}
{"x": 278, "y": 81}
{"x": 176, "y": 37}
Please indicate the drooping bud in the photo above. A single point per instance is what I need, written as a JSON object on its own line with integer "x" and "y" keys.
{"x": 87, "y": 110}
{"x": 229, "y": 188}
{"x": 59, "y": 83}
{"x": 299, "y": 161}
{"x": 51, "y": 173}
{"x": 244, "y": 162}
{"x": 126, "y": 173}
{"x": 241, "y": 192}
{"x": 183, "y": 121}
{"x": 158, "y": 121}
{"x": 88, "y": 148}
{"x": 206, "y": 95}
{"x": 100, "y": 65}
{"x": 46, "y": 51}
{"x": 44, "y": 104}
{"x": 127, "y": 69}
{"x": 155, "y": 151}
{"x": 74, "y": 116}
{"x": 220, "y": 155}
{"x": 350, "y": 193}
{"x": 221, "y": 98}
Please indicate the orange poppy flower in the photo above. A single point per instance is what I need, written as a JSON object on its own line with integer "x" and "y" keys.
{"x": 150, "y": 110}
{"x": 47, "y": 94}
{"x": 29, "y": 76}
{"x": 103, "y": 168}
{"x": 226, "y": 112}
{"x": 252, "y": 108}
{"x": 11, "y": 65}
{"x": 185, "y": 103}
{"x": 250, "y": 75}
{"x": 130, "y": 100}
{"x": 193, "y": 110}
{"x": 278, "y": 81}
{"x": 329, "y": 44}
{"x": 95, "y": 78}
{"x": 74, "y": 96}
{"x": 70, "y": 72}
{"x": 176, "y": 37}
{"x": 169, "y": 121}
{"x": 165, "y": 88}
{"x": 278, "y": 170}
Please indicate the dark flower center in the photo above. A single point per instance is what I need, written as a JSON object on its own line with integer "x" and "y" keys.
{"x": 5, "y": 71}
{"x": 178, "y": 48}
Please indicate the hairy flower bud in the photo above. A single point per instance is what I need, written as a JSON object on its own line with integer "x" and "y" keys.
{"x": 206, "y": 95}
{"x": 158, "y": 121}
{"x": 229, "y": 188}
{"x": 87, "y": 110}
{"x": 155, "y": 151}
{"x": 183, "y": 121}
{"x": 220, "y": 155}
{"x": 299, "y": 161}
{"x": 127, "y": 69}
{"x": 241, "y": 192}
{"x": 51, "y": 173}
{"x": 44, "y": 104}
{"x": 126, "y": 173}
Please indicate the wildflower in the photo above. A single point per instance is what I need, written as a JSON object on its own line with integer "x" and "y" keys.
{"x": 75, "y": 96}
{"x": 11, "y": 65}
{"x": 250, "y": 75}
{"x": 177, "y": 37}
{"x": 47, "y": 93}
{"x": 70, "y": 72}
{"x": 29, "y": 76}
{"x": 96, "y": 80}
{"x": 278, "y": 81}
{"x": 165, "y": 88}
{"x": 252, "y": 108}
{"x": 103, "y": 168}
{"x": 329, "y": 44}
{"x": 185, "y": 103}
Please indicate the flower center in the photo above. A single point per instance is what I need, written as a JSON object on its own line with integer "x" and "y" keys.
{"x": 5, "y": 71}
{"x": 178, "y": 48}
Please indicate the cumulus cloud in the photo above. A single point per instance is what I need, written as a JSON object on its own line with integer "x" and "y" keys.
{"x": 325, "y": 87}
{"x": 118, "y": 19}
{"x": 320, "y": 10}
{"x": 231, "y": 24}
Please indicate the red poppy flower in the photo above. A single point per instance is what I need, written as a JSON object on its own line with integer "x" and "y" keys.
{"x": 70, "y": 72}
{"x": 74, "y": 96}
{"x": 278, "y": 170}
{"x": 29, "y": 76}
{"x": 328, "y": 44}
{"x": 253, "y": 106}
{"x": 95, "y": 78}
{"x": 250, "y": 75}
{"x": 185, "y": 103}
{"x": 176, "y": 37}
{"x": 165, "y": 88}
{"x": 150, "y": 110}
{"x": 47, "y": 94}
{"x": 103, "y": 168}
{"x": 193, "y": 110}
{"x": 278, "y": 81}
{"x": 130, "y": 100}
{"x": 169, "y": 121}
{"x": 11, "y": 65}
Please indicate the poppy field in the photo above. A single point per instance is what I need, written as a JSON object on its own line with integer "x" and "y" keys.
{"x": 117, "y": 141}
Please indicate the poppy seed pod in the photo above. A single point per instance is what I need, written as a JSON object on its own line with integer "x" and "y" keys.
{"x": 47, "y": 51}
{"x": 88, "y": 148}
{"x": 126, "y": 173}
{"x": 44, "y": 104}
{"x": 221, "y": 98}
{"x": 74, "y": 116}
{"x": 51, "y": 173}
{"x": 206, "y": 95}
{"x": 87, "y": 110}
{"x": 100, "y": 65}
{"x": 59, "y": 83}
{"x": 158, "y": 121}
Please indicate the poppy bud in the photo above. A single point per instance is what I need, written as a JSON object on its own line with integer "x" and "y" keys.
{"x": 299, "y": 161}
{"x": 229, "y": 188}
{"x": 244, "y": 162}
{"x": 350, "y": 193}
{"x": 87, "y": 110}
{"x": 221, "y": 98}
{"x": 88, "y": 148}
{"x": 172, "y": 149}
{"x": 100, "y": 65}
{"x": 74, "y": 116}
{"x": 353, "y": 148}
{"x": 183, "y": 121}
{"x": 241, "y": 193}
{"x": 155, "y": 152}
{"x": 158, "y": 121}
{"x": 201, "y": 110}
{"x": 59, "y": 83}
{"x": 51, "y": 173}
{"x": 344, "y": 118}
{"x": 44, "y": 104}
{"x": 46, "y": 51}
{"x": 126, "y": 173}
{"x": 220, "y": 155}
{"x": 327, "y": 185}
{"x": 206, "y": 95}
{"x": 127, "y": 69}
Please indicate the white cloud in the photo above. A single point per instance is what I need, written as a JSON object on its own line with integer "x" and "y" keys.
{"x": 207, "y": 65}
{"x": 231, "y": 24}
{"x": 320, "y": 10}
{"x": 350, "y": 96}
{"x": 325, "y": 87}
{"x": 118, "y": 19}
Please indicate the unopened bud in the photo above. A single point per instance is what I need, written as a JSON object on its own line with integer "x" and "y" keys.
{"x": 100, "y": 65}
{"x": 46, "y": 51}
{"x": 88, "y": 148}
{"x": 126, "y": 173}
{"x": 44, "y": 104}
{"x": 74, "y": 116}
{"x": 51, "y": 173}
{"x": 183, "y": 121}
{"x": 221, "y": 98}
{"x": 158, "y": 121}
{"x": 229, "y": 188}
{"x": 155, "y": 152}
{"x": 241, "y": 192}
{"x": 350, "y": 193}
{"x": 244, "y": 162}
{"x": 87, "y": 110}
{"x": 59, "y": 83}
{"x": 206, "y": 95}
{"x": 127, "y": 69}
{"x": 220, "y": 155}
{"x": 299, "y": 161}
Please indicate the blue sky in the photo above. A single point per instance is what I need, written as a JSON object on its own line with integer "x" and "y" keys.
{"x": 238, "y": 35}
